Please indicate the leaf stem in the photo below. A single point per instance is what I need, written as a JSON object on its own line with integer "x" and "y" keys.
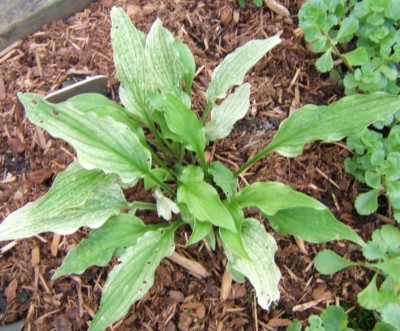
{"x": 336, "y": 51}
{"x": 140, "y": 205}
{"x": 160, "y": 183}
{"x": 205, "y": 114}
{"x": 255, "y": 159}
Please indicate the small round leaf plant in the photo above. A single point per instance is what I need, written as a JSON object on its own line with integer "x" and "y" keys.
{"x": 157, "y": 138}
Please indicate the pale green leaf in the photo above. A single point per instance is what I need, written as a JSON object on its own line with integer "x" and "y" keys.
{"x": 328, "y": 262}
{"x": 325, "y": 62}
{"x": 200, "y": 231}
{"x": 120, "y": 231}
{"x": 367, "y": 203}
{"x": 100, "y": 143}
{"x": 205, "y": 205}
{"x": 234, "y": 242}
{"x": 191, "y": 173}
{"x": 261, "y": 269}
{"x": 233, "y": 68}
{"x": 271, "y": 197}
{"x": 357, "y": 57}
{"x": 316, "y": 226}
{"x": 130, "y": 61}
{"x": 181, "y": 121}
{"x": 223, "y": 177}
{"x": 311, "y": 123}
{"x": 77, "y": 198}
{"x": 335, "y": 319}
{"x": 225, "y": 115}
{"x": 373, "y": 179}
{"x": 131, "y": 279}
{"x": 294, "y": 326}
{"x": 381, "y": 326}
{"x": 165, "y": 68}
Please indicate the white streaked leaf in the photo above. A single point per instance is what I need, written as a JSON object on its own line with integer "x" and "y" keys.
{"x": 130, "y": 61}
{"x": 77, "y": 198}
{"x": 100, "y": 143}
{"x": 233, "y": 68}
{"x": 165, "y": 68}
{"x": 225, "y": 115}
{"x": 131, "y": 279}
{"x": 118, "y": 232}
{"x": 261, "y": 269}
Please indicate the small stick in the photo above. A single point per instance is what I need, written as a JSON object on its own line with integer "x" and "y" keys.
{"x": 310, "y": 304}
{"x": 226, "y": 285}
{"x": 7, "y": 247}
{"x": 54, "y": 244}
{"x": 192, "y": 266}
{"x": 327, "y": 178}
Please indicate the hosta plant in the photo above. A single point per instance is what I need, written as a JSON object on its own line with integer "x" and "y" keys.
{"x": 157, "y": 138}
{"x": 376, "y": 163}
{"x": 382, "y": 254}
{"x": 361, "y": 35}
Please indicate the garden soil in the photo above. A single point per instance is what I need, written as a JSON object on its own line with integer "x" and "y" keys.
{"x": 181, "y": 299}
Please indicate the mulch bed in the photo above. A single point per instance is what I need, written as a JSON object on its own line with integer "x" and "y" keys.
{"x": 68, "y": 51}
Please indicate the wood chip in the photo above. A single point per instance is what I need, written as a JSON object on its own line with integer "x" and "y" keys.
{"x": 3, "y": 92}
{"x": 310, "y": 304}
{"x": 35, "y": 257}
{"x": 193, "y": 267}
{"x": 277, "y": 7}
{"x": 11, "y": 291}
{"x": 54, "y": 244}
{"x": 226, "y": 285}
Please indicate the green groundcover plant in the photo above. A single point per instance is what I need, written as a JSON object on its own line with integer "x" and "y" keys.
{"x": 376, "y": 163}
{"x": 363, "y": 35}
{"x": 157, "y": 138}
{"x": 382, "y": 254}
{"x": 333, "y": 318}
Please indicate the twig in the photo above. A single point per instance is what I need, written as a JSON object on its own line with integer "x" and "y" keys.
{"x": 193, "y": 267}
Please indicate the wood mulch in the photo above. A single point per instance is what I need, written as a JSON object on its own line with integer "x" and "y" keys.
{"x": 67, "y": 51}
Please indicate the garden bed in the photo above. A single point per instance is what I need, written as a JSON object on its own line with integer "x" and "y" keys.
{"x": 66, "y": 52}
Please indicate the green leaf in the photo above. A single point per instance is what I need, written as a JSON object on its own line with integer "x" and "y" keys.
{"x": 188, "y": 63}
{"x": 369, "y": 297}
{"x": 311, "y": 123}
{"x": 102, "y": 244}
{"x": 325, "y": 62}
{"x": 391, "y": 314}
{"x": 373, "y": 179}
{"x": 131, "y": 279}
{"x": 261, "y": 270}
{"x": 347, "y": 29}
{"x": 294, "y": 326}
{"x": 393, "y": 192}
{"x": 130, "y": 61}
{"x": 316, "y": 226}
{"x": 367, "y": 203}
{"x": 225, "y": 115}
{"x": 233, "y": 240}
{"x": 77, "y": 198}
{"x": 233, "y": 68}
{"x": 205, "y": 205}
{"x": 334, "y": 318}
{"x": 385, "y": 243}
{"x": 99, "y": 142}
{"x": 390, "y": 267}
{"x": 166, "y": 71}
{"x": 328, "y": 262}
{"x": 200, "y": 231}
{"x": 181, "y": 121}
{"x": 271, "y": 197}
{"x": 381, "y": 326}
{"x": 356, "y": 57}
{"x": 191, "y": 173}
{"x": 223, "y": 177}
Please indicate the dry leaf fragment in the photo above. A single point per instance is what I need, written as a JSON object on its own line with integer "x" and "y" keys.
{"x": 277, "y": 7}
{"x": 11, "y": 291}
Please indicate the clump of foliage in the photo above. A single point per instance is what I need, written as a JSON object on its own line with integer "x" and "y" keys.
{"x": 376, "y": 163}
{"x": 382, "y": 254}
{"x": 363, "y": 35}
{"x": 157, "y": 138}
{"x": 333, "y": 318}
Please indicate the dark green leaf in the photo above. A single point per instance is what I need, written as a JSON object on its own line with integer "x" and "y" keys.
{"x": 223, "y": 177}
{"x": 199, "y": 232}
{"x": 357, "y": 57}
{"x": 325, "y": 62}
